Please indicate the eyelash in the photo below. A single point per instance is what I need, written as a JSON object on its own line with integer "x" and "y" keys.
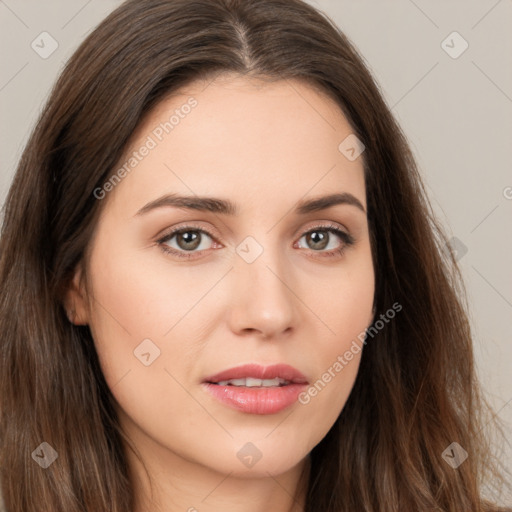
{"x": 348, "y": 240}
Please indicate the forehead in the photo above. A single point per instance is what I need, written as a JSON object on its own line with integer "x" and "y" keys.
{"x": 246, "y": 137}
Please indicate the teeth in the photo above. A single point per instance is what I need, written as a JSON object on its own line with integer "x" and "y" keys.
{"x": 249, "y": 382}
{"x": 253, "y": 383}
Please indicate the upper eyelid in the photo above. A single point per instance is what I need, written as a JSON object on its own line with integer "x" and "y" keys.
{"x": 188, "y": 227}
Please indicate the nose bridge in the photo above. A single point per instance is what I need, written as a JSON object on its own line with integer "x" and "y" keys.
{"x": 262, "y": 296}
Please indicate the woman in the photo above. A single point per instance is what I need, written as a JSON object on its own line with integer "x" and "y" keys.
{"x": 223, "y": 286}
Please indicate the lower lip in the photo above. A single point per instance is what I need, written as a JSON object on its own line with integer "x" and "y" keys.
{"x": 256, "y": 400}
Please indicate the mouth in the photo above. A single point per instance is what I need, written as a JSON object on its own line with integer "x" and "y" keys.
{"x": 253, "y": 375}
{"x": 255, "y": 389}
{"x": 250, "y": 382}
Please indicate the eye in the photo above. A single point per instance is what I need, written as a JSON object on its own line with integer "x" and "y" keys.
{"x": 189, "y": 241}
{"x": 186, "y": 242}
{"x": 327, "y": 239}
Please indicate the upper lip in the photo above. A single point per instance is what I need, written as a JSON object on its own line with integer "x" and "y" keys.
{"x": 283, "y": 371}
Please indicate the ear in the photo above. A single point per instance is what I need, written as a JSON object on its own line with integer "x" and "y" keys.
{"x": 75, "y": 299}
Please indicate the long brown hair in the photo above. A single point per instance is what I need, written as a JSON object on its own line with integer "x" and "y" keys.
{"x": 416, "y": 391}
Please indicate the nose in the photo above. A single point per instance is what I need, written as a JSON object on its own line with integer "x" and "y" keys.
{"x": 263, "y": 302}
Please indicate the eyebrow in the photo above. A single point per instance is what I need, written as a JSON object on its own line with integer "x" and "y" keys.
{"x": 227, "y": 207}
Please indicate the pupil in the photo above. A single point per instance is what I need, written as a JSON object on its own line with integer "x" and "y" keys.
{"x": 319, "y": 239}
{"x": 188, "y": 240}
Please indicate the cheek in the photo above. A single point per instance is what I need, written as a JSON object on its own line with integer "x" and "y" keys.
{"x": 134, "y": 301}
{"x": 141, "y": 297}
{"x": 344, "y": 306}
{"x": 138, "y": 297}
{"x": 140, "y": 316}
{"x": 343, "y": 298}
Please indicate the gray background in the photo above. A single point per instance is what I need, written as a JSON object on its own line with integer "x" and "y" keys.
{"x": 456, "y": 113}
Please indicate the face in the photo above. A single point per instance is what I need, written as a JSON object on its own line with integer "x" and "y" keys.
{"x": 249, "y": 270}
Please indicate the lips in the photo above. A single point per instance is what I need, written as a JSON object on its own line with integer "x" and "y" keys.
{"x": 255, "y": 389}
{"x": 254, "y": 371}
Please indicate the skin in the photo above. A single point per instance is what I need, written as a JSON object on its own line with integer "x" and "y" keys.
{"x": 265, "y": 147}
